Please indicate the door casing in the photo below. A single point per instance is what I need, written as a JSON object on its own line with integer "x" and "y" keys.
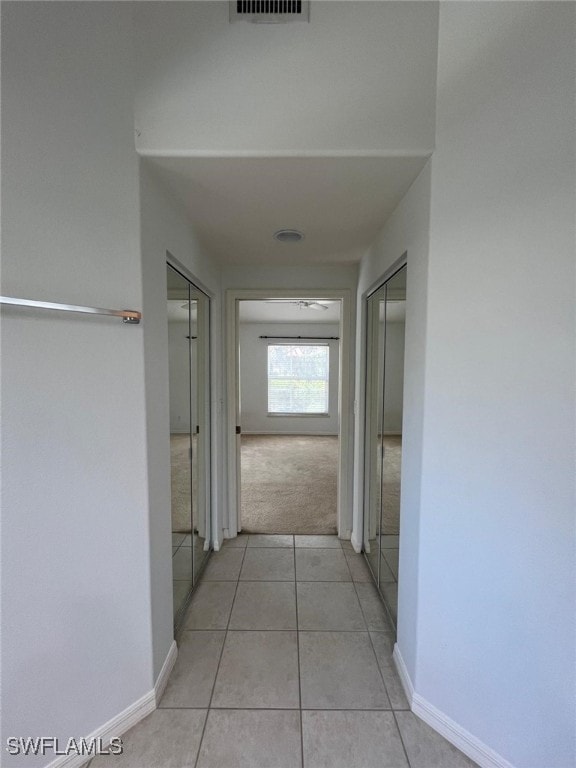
{"x": 345, "y": 404}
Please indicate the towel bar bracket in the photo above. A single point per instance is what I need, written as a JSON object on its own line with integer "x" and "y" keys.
{"x": 129, "y": 316}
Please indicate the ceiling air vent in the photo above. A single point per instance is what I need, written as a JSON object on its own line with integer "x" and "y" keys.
{"x": 269, "y": 11}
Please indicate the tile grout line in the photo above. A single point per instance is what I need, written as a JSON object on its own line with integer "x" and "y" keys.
{"x": 394, "y": 577}
{"x": 402, "y": 740}
{"x": 380, "y": 670}
{"x": 370, "y": 639}
{"x": 291, "y": 629}
{"x": 284, "y": 709}
{"x": 298, "y": 657}
{"x": 219, "y": 661}
{"x": 296, "y": 582}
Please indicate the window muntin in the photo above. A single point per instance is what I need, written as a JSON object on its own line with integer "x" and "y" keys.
{"x": 298, "y": 376}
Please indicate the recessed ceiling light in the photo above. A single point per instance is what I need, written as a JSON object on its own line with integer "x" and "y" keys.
{"x": 288, "y": 236}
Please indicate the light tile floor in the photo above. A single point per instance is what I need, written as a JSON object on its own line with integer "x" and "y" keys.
{"x": 285, "y": 662}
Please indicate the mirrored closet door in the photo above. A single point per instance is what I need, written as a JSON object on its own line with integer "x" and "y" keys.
{"x": 188, "y": 353}
{"x": 386, "y": 313}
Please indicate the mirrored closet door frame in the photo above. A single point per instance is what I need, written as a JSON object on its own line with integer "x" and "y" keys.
{"x": 197, "y": 418}
{"x": 380, "y": 459}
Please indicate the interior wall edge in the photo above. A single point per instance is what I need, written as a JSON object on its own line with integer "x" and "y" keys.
{"x": 404, "y": 238}
{"x": 458, "y": 736}
{"x": 451, "y": 730}
{"x": 126, "y": 719}
{"x": 115, "y": 727}
{"x": 167, "y": 667}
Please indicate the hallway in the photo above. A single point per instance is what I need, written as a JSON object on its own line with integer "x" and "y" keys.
{"x": 285, "y": 661}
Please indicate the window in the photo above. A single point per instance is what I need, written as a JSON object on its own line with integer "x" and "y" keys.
{"x": 298, "y": 379}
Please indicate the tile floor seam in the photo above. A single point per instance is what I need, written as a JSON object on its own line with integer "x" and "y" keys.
{"x": 165, "y": 709}
{"x": 376, "y": 582}
{"x": 402, "y": 739}
{"x": 326, "y": 581}
{"x": 201, "y": 738}
{"x": 266, "y": 723}
{"x": 219, "y": 662}
{"x": 357, "y": 595}
{"x": 372, "y": 643}
{"x": 292, "y": 629}
{"x": 380, "y": 669}
{"x": 347, "y": 709}
{"x": 226, "y": 708}
{"x": 298, "y": 656}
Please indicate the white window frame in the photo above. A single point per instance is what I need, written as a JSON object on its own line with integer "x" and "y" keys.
{"x": 299, "y": 414}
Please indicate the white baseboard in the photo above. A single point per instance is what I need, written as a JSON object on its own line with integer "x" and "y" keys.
{"x": 113, "y": 728}
{"x": 403, "y": 674}
{"x": 453, "y": 732}
{"x": 167, "y": 667}
{"x": 127, "y": 719}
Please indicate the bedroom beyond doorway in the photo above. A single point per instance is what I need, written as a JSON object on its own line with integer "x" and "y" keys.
{"x": 289, "y": 405}
{"x": 289, "y": 483}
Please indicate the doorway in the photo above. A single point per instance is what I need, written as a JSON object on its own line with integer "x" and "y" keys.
{"x": 289, "y": 370}
{"x": 386, "y": 321}
{"x": 287, "y": 365}
{"x": 188, "y": 355}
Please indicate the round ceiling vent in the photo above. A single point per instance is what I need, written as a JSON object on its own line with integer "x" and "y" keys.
{"x": 288, "y": 236}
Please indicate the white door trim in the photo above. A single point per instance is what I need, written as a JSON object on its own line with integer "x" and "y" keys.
{"x": 345, "y": 403}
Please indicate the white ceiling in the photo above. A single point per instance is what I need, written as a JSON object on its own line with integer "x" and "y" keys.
{"x": 236, "y": 204}
{"x": 275, "y": 311}
{"x": 178, "y": 311}
{"x": 287, "y": 312}
{"x": 320, "y": 127}
{"x": 360, "y": 77}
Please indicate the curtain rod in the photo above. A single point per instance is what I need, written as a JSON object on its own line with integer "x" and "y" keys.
{"x": 315, "y": 338}
{"x": 127, "y": 315}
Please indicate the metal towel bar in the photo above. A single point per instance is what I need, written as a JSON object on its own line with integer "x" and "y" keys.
{"x": 127, "y": 315}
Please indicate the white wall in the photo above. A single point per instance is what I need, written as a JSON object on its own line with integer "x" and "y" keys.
{"x": 486, "y": 621}
{"x": 164, "y": 228}
{"x": 496, "y": 634}
{"x": 76, "y": 630}
{"x": 254, "y": 380}
{"x": 276, "y": 276}
{"x": 359, "y": 76}
{"x": 407, "y": 231}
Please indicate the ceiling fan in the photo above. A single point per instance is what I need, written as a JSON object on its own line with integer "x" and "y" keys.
{"x": 301, "y": 303}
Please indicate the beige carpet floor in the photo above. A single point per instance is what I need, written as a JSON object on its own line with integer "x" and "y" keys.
{"x": 289, "y": 484}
